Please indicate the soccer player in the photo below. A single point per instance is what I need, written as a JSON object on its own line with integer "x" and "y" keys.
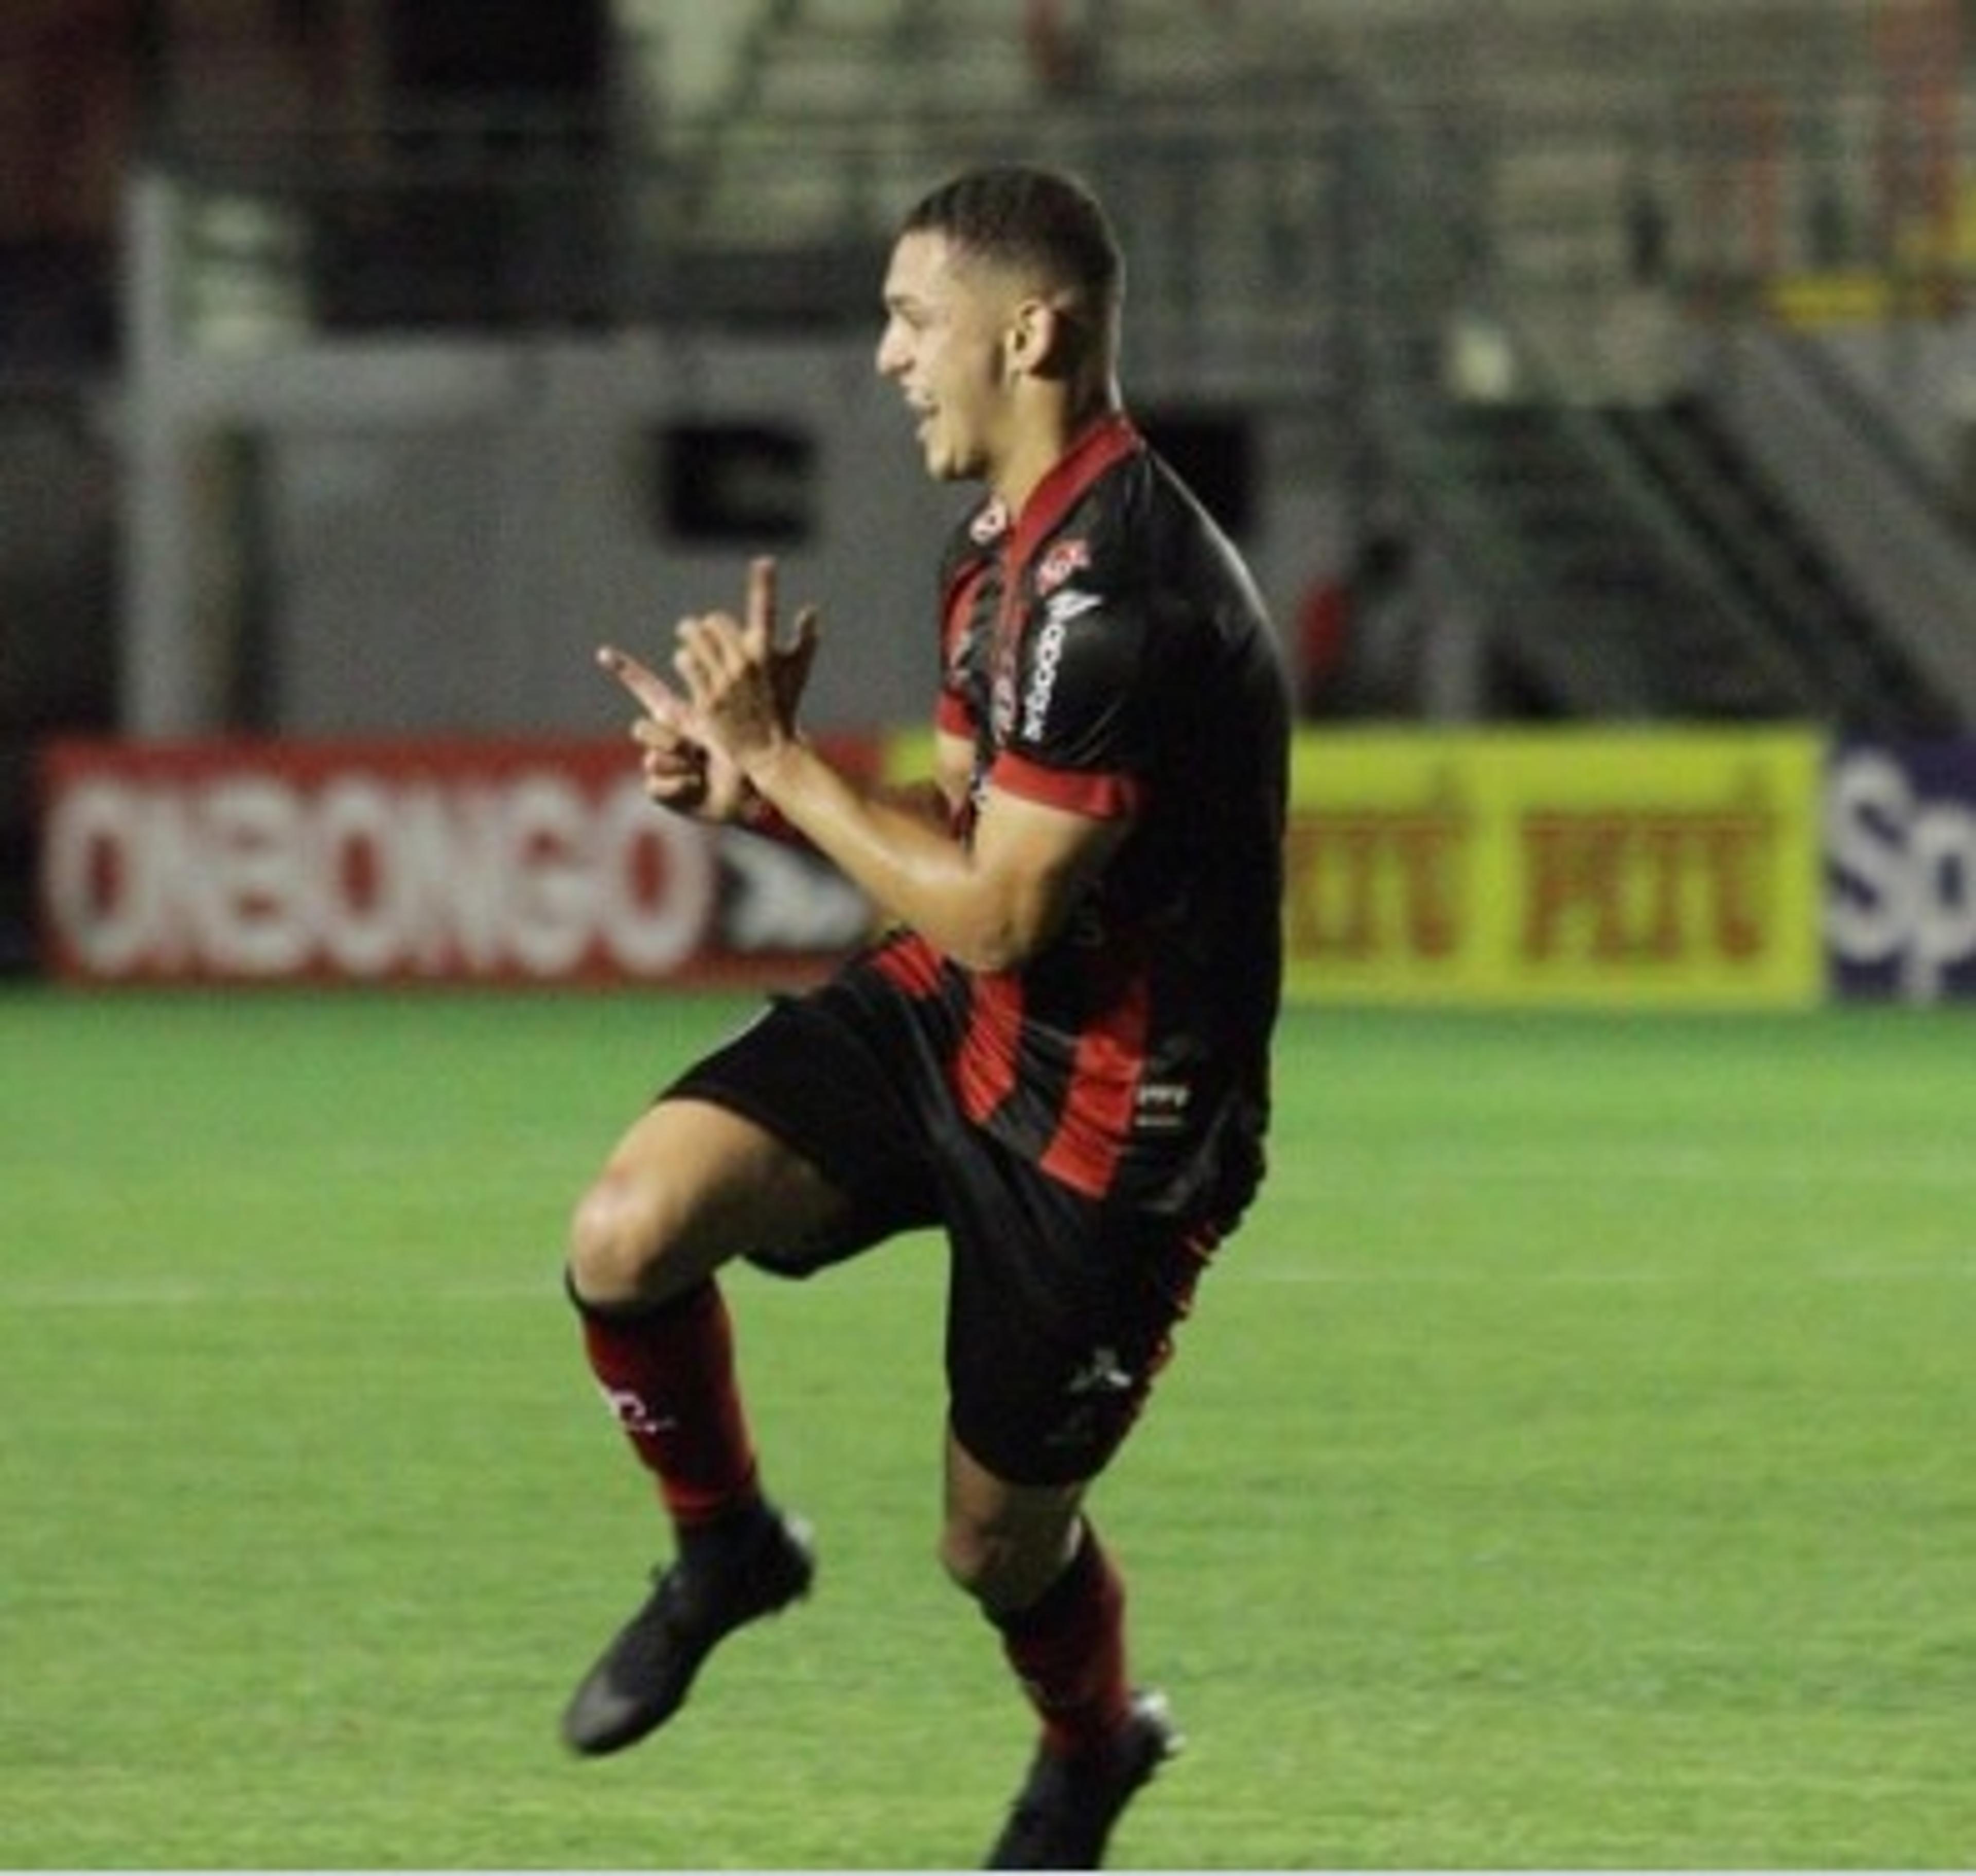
{"x": 1059, "y": 1053}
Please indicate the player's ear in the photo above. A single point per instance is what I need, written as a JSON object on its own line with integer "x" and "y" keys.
{"x": 1034, "y": 345}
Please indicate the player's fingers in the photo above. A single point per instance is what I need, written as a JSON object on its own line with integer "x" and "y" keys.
{"x": 670, "y": 768}
{"x": 793, "y": 661}
{"x": 695, "y": 662}
{"x": 715, "y": 643}
{"x": 761, "y": 598}
{"x": 649, "y": 732}
{"x": 664, "y": 746}
{"x": 647, "y": 686}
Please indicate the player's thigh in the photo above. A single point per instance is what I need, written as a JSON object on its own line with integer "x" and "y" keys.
{"x": 690, "y": 1186}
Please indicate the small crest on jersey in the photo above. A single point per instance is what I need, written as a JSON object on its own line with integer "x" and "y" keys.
{"x": 1063, "y": 560}
{"x": 991, "y": 524}
{"x": 1002, "y": 706}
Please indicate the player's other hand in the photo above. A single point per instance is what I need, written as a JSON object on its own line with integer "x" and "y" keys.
{"x": 741, "y": 681}
{"x": 685, "y": 756}
{"x": 682, "y": 770}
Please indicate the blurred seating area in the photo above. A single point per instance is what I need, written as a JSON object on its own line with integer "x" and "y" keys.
{"x": 442, "y": 160}
{"x": 1593, "y": 289}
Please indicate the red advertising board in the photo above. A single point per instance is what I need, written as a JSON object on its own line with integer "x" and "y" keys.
{"x": 234, "y": 861}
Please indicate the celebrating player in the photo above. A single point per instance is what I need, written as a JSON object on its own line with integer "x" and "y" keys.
{"x": 1057, "y": 1055}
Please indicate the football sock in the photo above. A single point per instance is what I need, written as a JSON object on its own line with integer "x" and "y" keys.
{"x": 667, "y": 1373}
{"x": 1067, "y": 1649}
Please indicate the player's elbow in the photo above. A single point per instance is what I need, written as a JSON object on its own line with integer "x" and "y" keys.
{"x": 991, "y": 954}
{"x": 1001, "y": 937}
{"x": 1000, "y": 917}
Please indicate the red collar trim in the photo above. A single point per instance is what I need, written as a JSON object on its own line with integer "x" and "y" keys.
{"x": 1110, "y": 439}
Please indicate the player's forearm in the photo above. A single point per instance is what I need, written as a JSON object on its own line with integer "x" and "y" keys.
{"x": 922, "y": 801}
{"x": 897, "y": 845}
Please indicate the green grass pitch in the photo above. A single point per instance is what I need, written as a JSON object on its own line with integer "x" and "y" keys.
{"x": 1573, "y": 1464}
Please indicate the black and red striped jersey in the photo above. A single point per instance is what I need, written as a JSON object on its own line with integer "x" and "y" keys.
{"x": 1105, "y": 652}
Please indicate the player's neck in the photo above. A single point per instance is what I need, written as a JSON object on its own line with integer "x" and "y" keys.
{"x": 1047, "y": 438}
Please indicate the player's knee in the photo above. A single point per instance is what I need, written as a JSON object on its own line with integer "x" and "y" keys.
{"x": 615, "y": 1241}
{"x": 969, "y": 1555}
{"x": 995, "y": 1566}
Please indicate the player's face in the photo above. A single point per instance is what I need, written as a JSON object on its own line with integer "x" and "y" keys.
{"x": 945, "y": 345}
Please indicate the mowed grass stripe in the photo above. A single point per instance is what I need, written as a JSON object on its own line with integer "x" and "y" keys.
{"x": 1568, "y": 1466}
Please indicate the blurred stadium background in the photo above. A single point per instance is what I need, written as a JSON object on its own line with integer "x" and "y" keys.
{"x": 1585, "y": 363}
{"x": 1591, "y": 383}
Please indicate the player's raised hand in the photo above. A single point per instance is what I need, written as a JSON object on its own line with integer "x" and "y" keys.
{"x": 789, "y": 664}
{"x": 742, "y": 683}
{"x": 681, "y": 771}
{"x": 688, "y": 762}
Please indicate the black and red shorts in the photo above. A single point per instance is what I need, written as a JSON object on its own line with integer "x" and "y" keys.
{"x": 1060, "y": 1309}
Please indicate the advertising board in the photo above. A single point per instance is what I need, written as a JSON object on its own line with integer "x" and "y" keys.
{"x": 529, "y": 862}
{"x": 1566, "y": 866}
{"x": 1900, "y": 904}
{"x": 1743, "y": 867}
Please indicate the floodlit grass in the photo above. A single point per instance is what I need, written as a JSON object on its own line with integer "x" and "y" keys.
{"x": 1569, "y": 1466}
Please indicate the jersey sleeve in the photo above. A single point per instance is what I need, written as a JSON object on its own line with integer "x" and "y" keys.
{"x": 1075, "y": 737}
{"x": 966, "y": 572}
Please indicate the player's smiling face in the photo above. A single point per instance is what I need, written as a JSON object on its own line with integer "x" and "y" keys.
{"x": 944, "y": 344}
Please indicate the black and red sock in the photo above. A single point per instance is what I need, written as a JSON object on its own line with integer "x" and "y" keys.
{"x": 1067, "y": 1649}
{"x": 668, "y": 1374}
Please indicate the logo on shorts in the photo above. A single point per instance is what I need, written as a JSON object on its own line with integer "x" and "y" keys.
{"x": 1092, "y": 1391}
{"x": 1100, "y": 1375}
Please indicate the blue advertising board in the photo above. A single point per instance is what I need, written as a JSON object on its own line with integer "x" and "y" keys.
{"x": 1900, "y": 901}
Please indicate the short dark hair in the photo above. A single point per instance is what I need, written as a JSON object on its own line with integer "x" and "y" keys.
{"x": 1019, "y": 216}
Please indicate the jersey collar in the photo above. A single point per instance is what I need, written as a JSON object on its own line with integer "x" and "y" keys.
{"x": 1111, "y": 439}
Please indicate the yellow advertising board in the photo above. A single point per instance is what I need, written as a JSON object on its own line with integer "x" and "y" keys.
{"x": 1570, "y": 865}
{"x": 1567, "y": 866}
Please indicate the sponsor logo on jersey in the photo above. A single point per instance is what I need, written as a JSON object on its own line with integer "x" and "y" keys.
{"x": 1043, "y": 667}
{"x": 1070, "y": 604}
{"x": 1060, "y": 609}
{"x": 1063, "y": 560}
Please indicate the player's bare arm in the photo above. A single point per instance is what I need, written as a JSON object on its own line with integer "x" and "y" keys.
{"x": 989, "y": 903}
